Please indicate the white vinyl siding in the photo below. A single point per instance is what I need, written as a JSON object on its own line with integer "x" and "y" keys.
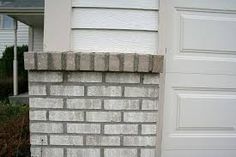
{"x": 38, "y": 39}
{"x": 127, "y": 26}
{"x": 7, "y": 37}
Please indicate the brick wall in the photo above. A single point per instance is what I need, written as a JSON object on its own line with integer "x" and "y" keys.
{"x": 93, "y": 114}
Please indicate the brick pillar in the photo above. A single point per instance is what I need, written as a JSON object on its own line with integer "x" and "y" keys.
{"x": 93, "y": 105}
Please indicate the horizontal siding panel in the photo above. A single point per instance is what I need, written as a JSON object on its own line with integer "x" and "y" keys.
{"x": 7, "y": 37}
{"x": 132, "y": 4}
{"x": 114, "y": 41}
{"x": 115, "y": 19}
{"x": 38, "y": 39}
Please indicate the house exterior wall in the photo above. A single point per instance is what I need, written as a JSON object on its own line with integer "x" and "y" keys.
{"x": 94, "y": 91}
{"x": 93, "y": 105}
{"x": 7, "y": 37}
{"x": 37, "y": 39}
{"x": 117, "y": 27}
{"x": 127, "y": 26}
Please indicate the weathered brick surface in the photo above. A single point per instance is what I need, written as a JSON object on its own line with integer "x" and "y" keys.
{"x": 114, "y": 104}
{"x": 46, "y": 127}
{"x": 129, "y": 62}
{"x": 84, "y": 128}
{"x": 74, "y": 61}
{"x": 61, "y": 90}
{"x": 149, "y": 129}
{"x": 104, "y": 91}
{"x": 140, "y": 117}
{"x": 121, "y": 129}
{"x": 120, "y": 152}
{"x": 87, "y": 152}
{"x": 84, "y": 104}
{"x": 47, "y": 152}
{"x": 38, "y": 139}
{"x": 70, "y": 61}
{"x": 37, "y": 90}
{"x": 46, "y": 103}
{"x": 42, "y": 61}
{"x": 85, "y": 77}
{"x": 151, "y": 79}
{"x": 93, "y": 114}
{"x": 141, "y": 92}
{"x": 149, "y": 105}
{"x": 29, "y": 63}
{"x": 100, "y": 62}
{"x": 37, "y": 115}
{"x": 122, "y": 78}
{"x": 103, "y": 116}
{"x": 66, "y": 140}
{"x": 45, "y": 77}
{"x": 66, "y": 116}
{"x": 139, "y": 141}
{"x": 148, "y": 152}
{"x": 103, "y": 140}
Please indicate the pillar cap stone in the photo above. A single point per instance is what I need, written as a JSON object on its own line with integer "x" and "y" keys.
{"x": 102, "y": 62}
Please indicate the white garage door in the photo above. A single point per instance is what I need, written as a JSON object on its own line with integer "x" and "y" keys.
{"x": 200, "y": 85}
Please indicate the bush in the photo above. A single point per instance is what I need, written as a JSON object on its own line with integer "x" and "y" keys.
{"x": 6, "y": 71}
{"x": 14, "y": 130}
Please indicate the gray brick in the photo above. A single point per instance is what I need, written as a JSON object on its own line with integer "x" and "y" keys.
{"x": 38, "y": 140}
{"x": 141, "y": 92}
{"x": 151, "y": 79}
{"x": 114, "y": 62}
{"x": 61, "y": 90}
{"x": 121, "y": 104}
{"x": 56, "y": 61}
{"x": 121, "y": 152}
{"x": 45, "y": 77}
{"x": 148, "y": 152}
{"x": 37, "y": 90}
{"x": 42, "y": 61}
{"x": 83, "y": 128}
{"x": 121, "y": 129}
{"x": 47, "y": 152}
{"x": 140, "y": 117}
{"x": 123, "y": 78}
{"x": 84, "y": 103}
{"x": 70, "y": 61}
{"x": 66, "y": 140}
{"x": 129, "y": 62}
{"x": 157, "y": 66}
{"x": 143, "y": 63}
{"x": 104, "y": 91}
{"x": 85, "y": 61}
{"x": 98, "y": 140}
{"x": 149, "y": 129}
{"x": 46, "y": 127}
{"x": 85, "y": 77}
{"x": 103, "y": 116}
{"x": 149, "y": 105}
{"x": 45, "y": 103}
{"x": 99, "y": 62}
{"x": 66, "y": 116}
{"x": 29, "y": 61}
{"x": 139, "y": 140}
{"x": 86, "y": 152}
{"x": 37, "y": 115}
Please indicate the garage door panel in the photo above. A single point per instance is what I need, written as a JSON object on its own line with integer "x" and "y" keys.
{"x": 204, "y": 40}
{"x": 205, "y": 32}
{"x": 200, "y": 112}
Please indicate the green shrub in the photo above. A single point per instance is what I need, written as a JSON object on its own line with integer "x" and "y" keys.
{"x": 14, "y": 130}
{"x": 6, "y": 71}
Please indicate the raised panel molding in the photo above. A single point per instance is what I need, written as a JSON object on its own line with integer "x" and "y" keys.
{"x": 208, "y": 32}
{"x": 203, "y": 110}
